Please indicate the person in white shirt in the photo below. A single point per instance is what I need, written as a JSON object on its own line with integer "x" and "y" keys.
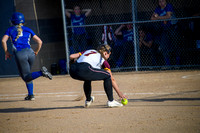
{"x": 92, "y": 65}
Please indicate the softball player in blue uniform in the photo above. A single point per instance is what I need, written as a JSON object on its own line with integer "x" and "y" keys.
{"x": 24, "y": 54}
{"x": 87, "y": 68}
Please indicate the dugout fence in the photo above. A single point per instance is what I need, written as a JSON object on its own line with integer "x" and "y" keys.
{"x": 151, "y": 46}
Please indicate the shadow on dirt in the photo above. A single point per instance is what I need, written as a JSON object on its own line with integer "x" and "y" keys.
{"x": 22, "y": 110}
{"x": 164, "y": 99}
{"x": 180, "y": 96}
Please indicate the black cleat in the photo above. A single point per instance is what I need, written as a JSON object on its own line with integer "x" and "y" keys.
{"x": 30, "y": 97}
{"x": 46, "y": 73}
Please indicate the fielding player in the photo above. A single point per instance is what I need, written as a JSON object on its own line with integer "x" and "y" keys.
{"x": 87, "y": 68}
{"x": 24, "y": 54}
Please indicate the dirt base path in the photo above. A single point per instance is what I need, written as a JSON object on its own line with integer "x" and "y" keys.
{"x": 158, "y": 102}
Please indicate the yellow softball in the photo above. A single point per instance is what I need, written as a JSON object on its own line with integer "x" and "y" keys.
{"x": 124, "y": 101}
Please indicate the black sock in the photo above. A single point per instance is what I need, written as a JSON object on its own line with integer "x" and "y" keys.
{"x": 108, "y": 89}
{"x": 87, "y": 89}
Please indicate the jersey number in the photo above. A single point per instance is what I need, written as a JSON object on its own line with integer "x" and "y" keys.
{"x": 91, "y": 52}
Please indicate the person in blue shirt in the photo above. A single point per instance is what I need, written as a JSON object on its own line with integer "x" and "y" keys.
{"x": 77, "y": 17}
{"x": 126, "y": 31}
{"x": 163, "y": 11}
{"x": 24, "y": 55}
{"x": 169, "y": 38}
{"x": 147, "y": 54}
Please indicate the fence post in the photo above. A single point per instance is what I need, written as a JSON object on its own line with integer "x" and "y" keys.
{"x": 135, "y": 34}
{"x": 65, "y": 35}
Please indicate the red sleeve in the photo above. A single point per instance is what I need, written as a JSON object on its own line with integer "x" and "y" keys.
{"x": 106, "y": 65}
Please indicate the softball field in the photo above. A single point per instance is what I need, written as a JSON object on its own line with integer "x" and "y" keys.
{"x": 159, "y": 102}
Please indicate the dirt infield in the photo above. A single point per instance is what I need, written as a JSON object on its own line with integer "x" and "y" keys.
{"x": 164, "y": 102}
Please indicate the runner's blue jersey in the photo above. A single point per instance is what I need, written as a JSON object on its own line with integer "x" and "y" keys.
{"x": 24, "y": 39}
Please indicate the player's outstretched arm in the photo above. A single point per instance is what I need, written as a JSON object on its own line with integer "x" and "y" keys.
{"x": 115, "y": 86}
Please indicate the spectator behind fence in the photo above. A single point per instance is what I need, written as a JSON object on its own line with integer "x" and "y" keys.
{"x": 77, "y": 16}
{"x": 146, "y": 48}
{"x": 126, "y": 46}
{"x": 169, "y": 39}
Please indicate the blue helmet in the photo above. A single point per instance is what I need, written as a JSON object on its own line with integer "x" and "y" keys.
{"x": 17, "y": 18}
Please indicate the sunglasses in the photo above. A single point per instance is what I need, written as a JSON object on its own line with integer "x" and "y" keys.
{"x": 107, "y": 50}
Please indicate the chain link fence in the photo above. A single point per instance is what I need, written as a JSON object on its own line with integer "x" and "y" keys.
{"x": 139, "y": 40}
